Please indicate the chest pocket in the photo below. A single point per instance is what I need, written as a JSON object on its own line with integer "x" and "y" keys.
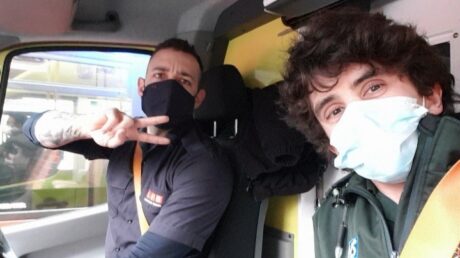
{"x": 153, "y": 199}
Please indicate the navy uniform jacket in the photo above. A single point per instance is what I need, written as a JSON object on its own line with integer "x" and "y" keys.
{"x": 186, "y": 187}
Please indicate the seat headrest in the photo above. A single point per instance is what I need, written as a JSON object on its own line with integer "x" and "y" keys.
{"x": 226, "y": 95}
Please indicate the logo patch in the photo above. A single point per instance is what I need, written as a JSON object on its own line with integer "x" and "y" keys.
{"x": 353, "y": 248}
{"x": 154, "y": 199}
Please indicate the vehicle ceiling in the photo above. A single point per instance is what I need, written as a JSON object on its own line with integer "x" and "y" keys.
{"x": 141, "y": 21}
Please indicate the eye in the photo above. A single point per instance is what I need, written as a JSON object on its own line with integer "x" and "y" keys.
{"x": 158, "y": 76}
{"x": 333, "y": 113}
{"x": 185, "y": 82}
{"x": 373, "y": 89}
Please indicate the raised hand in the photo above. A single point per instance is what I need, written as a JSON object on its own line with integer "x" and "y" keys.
{"x": 110, "y": 129}
{"x": 115, "y": 127}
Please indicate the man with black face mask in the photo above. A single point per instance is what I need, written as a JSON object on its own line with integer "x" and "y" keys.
{"x": 185, "y": 183}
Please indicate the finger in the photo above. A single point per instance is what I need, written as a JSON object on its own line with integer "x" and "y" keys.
{"x": 109, "y": 139}
{"x": 148, "y": 121}
{"x": 114, "y": 117}
{"x": 153, "y": 139}
{"x": 124, "y": 124}
{"x": 118, "y": 139}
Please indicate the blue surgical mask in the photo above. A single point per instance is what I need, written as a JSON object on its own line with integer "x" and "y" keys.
{"x": 378, "y": 138}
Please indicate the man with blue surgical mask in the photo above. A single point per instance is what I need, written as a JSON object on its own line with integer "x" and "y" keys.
{"x": 375, "y": 98}
{"x": 185, "y": 183}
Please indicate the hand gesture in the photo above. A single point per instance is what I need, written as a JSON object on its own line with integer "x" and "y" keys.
{"x": 114, "y": 127}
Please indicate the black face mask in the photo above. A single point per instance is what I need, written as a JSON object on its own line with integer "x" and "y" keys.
{"x": 168, "y": 98}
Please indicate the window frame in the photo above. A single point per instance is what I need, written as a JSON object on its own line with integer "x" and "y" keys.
{"x": 6, "y": 57}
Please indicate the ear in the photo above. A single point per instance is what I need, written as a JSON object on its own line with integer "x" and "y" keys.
{"x": 333, "y": 150}
{"x": 434, "y": 101}
{"x": 140, "y": 86}
{"x": 199, "y": 98}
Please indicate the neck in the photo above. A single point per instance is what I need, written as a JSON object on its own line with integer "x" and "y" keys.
{"x": 392, "y": 191}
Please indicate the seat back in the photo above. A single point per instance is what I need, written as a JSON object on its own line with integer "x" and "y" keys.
{"x": 222, "y": 115}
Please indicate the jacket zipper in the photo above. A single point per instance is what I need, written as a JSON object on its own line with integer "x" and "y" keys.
{"x": 414, "y": 202}
{"x": 370, "y": 199}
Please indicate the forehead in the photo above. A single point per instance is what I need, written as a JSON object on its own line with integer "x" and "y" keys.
{"x": 170, "y": 58}
{"x": 345, "y": 78}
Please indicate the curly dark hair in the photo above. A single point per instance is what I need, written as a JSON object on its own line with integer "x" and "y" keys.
{"x": 179, "y": 45}
{"x": 333, "y": 39}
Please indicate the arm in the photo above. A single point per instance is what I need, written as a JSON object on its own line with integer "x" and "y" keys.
{"x": 201, "y": 192}
{"x": 152, "y": 243}
{"x": 54, "y": 129}
{"x": 110, "y": 129}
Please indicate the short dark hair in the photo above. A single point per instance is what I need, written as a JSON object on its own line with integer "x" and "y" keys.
{"x": 331, "y": 40}
{"x": 179, "y": 45}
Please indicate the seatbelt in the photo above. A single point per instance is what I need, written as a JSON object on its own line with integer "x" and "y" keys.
{"x": 137, "y": 172}
{"x": 436, "y": 233}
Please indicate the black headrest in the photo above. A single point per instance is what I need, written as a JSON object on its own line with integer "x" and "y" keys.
{"x": 226, "y": 95}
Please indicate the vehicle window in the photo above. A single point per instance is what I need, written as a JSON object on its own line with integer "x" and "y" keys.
{"x": 444, "y": 51}
{"x": 34, "y": 178}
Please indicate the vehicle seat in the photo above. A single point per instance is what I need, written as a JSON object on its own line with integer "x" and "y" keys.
{"x": 222, "y": 115}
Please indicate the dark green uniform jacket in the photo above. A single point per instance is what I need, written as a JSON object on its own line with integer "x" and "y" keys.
{"x": 352, "y": 221}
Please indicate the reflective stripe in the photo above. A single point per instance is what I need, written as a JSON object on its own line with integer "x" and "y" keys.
{"x": 137, "y": 168}
{"x": 436, "y": 232}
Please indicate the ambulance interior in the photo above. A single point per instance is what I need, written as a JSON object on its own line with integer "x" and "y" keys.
{"x": 84, "y": 55}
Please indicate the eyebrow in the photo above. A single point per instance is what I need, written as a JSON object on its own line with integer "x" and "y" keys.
{"x": 319, "y": 106}
{"x": 165, "y": 69}
{"x": 369, "y": 73}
